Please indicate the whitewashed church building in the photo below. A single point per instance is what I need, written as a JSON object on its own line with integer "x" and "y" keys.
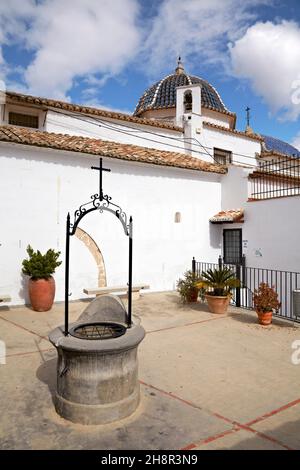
{"x": 178, "y": 165}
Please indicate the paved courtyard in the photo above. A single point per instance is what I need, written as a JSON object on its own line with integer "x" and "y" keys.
{"x": 207, "y": 382}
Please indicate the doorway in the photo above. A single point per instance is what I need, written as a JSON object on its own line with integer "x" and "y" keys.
{"x": 232, "y": 246}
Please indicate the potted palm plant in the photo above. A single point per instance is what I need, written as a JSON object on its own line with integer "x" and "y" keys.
{"x": 187, "y": 287}
{"x": 265, "y": 300}
{"x": 218, "y": 284}
{"x": 41, "y": 283}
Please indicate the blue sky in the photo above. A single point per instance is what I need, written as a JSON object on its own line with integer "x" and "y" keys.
{"x": 106, "y": 52}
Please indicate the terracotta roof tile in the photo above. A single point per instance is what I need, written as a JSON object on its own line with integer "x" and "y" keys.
{"x": 49, "y": 103}
{"x": 229, "y": 216}
{"x": 134, "y": 153}
{"x": 233, "y": 131}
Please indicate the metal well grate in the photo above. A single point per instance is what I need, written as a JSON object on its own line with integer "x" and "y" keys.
{"x": 104, "y": 330}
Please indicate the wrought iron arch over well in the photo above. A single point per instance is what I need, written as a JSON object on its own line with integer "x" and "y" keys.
{"x": 99, "y": 202}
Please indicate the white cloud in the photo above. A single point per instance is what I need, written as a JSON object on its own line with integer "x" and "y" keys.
{"x": 94, "y": 103}
{"x": 92, "y": 40}
{"x": 199, "y": 30}
{"x": 296, "y": 141}
{"x": 13, "y": 17}
{"x": 71, "y": 39}
{"x": 269, "y": 56}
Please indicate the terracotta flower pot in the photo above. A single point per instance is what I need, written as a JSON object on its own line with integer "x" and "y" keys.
{"x": 217, "y": 304}
{"x": 264, "y": 318}
{"x": 193, "y": 295}
{"x": 41, "y": 294}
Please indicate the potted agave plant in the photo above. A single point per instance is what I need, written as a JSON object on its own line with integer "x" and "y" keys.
{"x": 218, "y": 284}
{"x": 187, "y": 287}
{"x": 41, "y": 283}
{"x": 265, "y": 300}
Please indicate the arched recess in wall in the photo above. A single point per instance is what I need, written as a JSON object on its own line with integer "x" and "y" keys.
{"x": 95, "y": 252}
{"x": 188, "y": 101}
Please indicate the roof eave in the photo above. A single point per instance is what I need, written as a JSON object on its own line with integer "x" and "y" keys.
{"x": 87, "y": 110}
{"x": 132, "y": 153}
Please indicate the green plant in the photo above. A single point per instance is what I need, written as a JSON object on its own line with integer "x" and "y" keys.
{"x": 40, "y": 266}
{"x": 188, "y": 285}
{"x": 265, "y": 298}
{"x": 218, "y": 282}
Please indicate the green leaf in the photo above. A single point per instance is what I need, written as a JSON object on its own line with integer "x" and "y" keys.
{"x": 40, "y": 266}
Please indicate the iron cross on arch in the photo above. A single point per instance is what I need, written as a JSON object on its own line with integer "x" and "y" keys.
{"x": 100, "y": 169}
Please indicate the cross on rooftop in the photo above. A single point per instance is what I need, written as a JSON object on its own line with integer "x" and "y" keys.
{"x": 248, "y": 116}
{"x": 100, "y": 169}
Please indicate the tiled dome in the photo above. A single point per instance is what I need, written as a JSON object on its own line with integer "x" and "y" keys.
{"x": 163, "y": 93}
{"x": 273, "y": 144}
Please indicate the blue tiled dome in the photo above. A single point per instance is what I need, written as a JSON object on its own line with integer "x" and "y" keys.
{"x": 163, "y": 93}
{"x": 280, "y": 146}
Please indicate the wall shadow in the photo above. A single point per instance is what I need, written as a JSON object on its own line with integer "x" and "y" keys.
{"x": 46, "y": 373}
{"x": 23, "y": 292}
{"x": 251, "y": 318}
{"x": 215, "y": 232}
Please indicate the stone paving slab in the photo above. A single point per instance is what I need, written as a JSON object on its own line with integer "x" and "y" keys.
{"x": 42, "y": 322}
{"x": 235, "y": 368}
{"x": 283, "y": 426}
{"x": 30, "y": 422}
{"x": 203, "y": 376}
{"x": 240, "y": 440}
{"x": 18, "y": 340}
{"x": 160, "y": 311}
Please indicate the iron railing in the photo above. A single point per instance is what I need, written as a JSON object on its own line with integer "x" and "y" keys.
{"x": 275, "y": 178}
{"x": 284, "y": 283}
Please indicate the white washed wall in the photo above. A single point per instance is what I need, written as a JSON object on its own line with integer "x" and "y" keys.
{"x": 273, "y": 228}
{"x": 39, "y": 187}
{"x": 63, "y": 122}
{"x": 115, "y": 130}
{"x": 161, "y": 139}
{"x": 144, "y": 136}
{"x": 235, "y": 187}
{"x": 216, "y": 118}
{"x": 243, "y": 149}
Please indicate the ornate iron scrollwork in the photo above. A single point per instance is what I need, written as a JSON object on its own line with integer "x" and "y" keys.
{"x": 101, "y": 204}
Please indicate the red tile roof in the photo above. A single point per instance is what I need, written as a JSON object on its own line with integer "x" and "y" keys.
{"x": 229, "y": 216}
{"x": 62, "y": 105}
{"x": 133, "y": 153}
{"x": 233, "y": 131}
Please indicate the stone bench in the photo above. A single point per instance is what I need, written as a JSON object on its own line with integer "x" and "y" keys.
{"x": 5, "y": 298}
{"x": 120, "y": 291}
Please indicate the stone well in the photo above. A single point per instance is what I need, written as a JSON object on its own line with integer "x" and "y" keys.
{"x": 97, "y": 379}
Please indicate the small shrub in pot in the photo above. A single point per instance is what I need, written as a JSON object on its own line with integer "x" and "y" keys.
{"x": 41, "y": 283}
{"x": 265, "y": 300}
{"x": 218, "y": 284}
{"x": 187, "y": 287}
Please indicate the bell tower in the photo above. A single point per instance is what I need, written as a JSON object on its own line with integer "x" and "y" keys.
{"x": 188, "y": 107}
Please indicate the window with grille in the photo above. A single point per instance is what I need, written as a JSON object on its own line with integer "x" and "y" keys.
{"x": 24, "y": 120}
{"x": 232, "y": 246}
{"x": 223, "y": 157}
